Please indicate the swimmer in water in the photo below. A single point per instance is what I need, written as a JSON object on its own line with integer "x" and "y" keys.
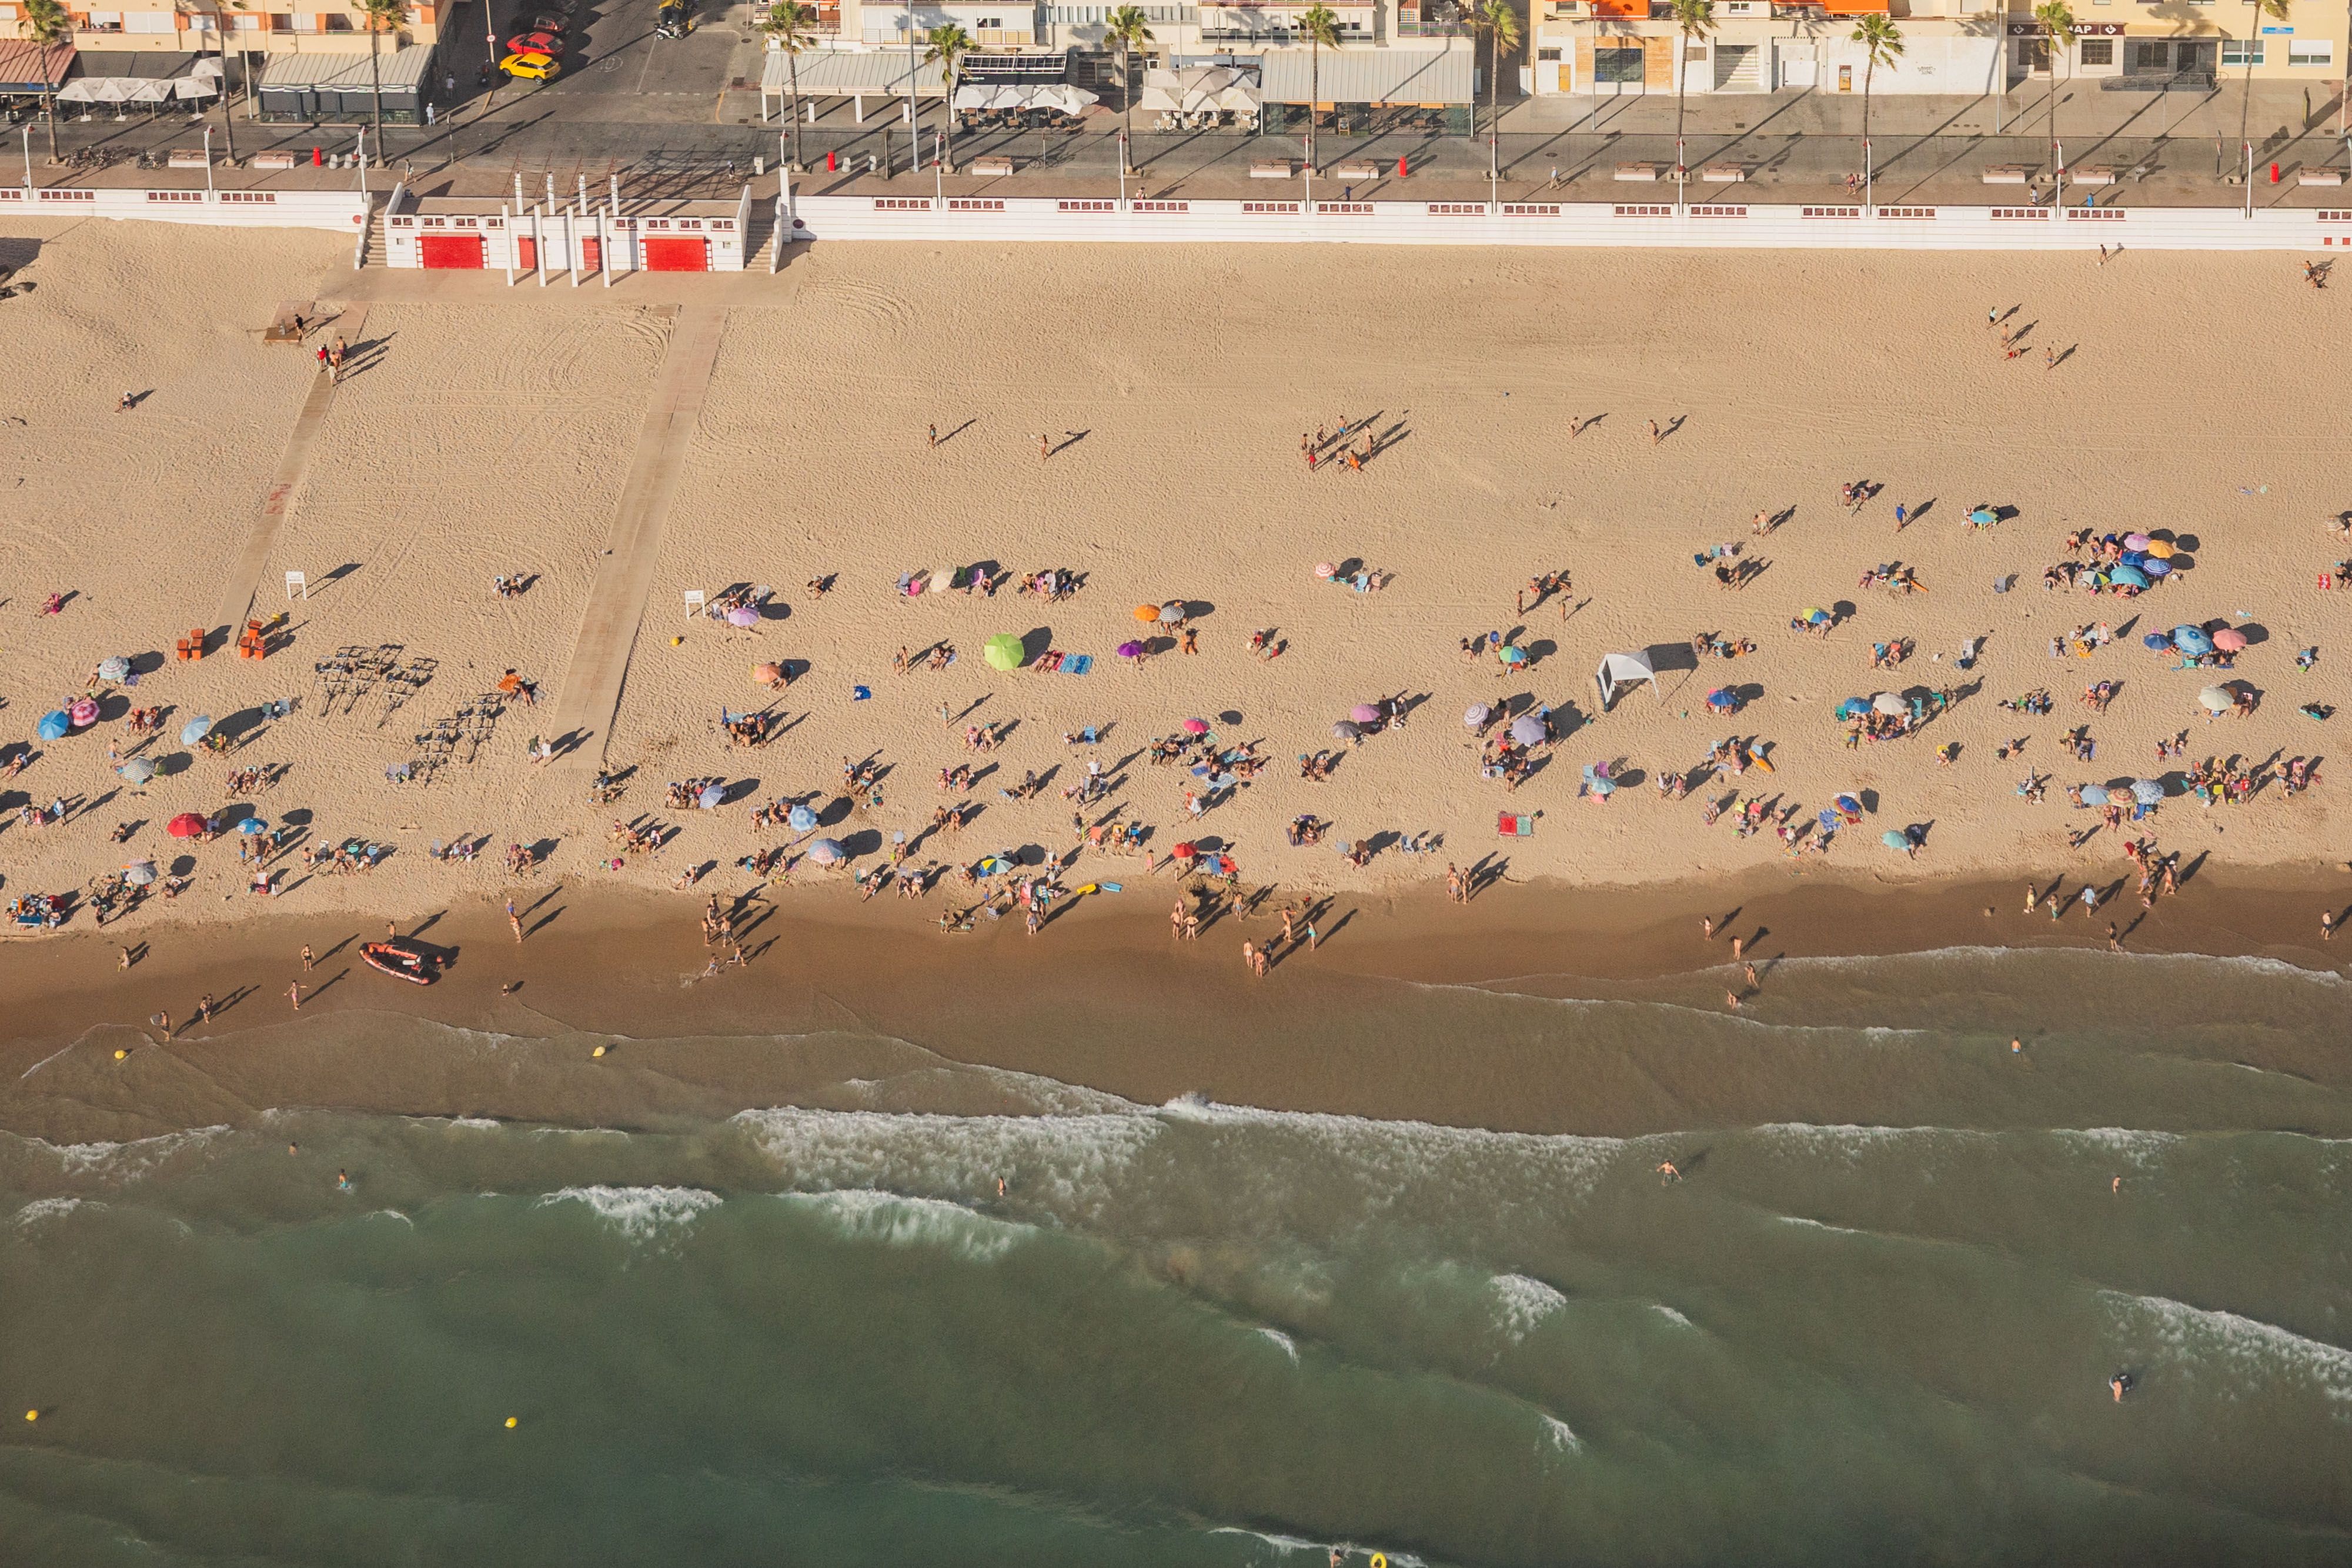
{"x": 1668, "y": 1173}
{"x": 343, "y": 1181}
{"x": 2119, "y": 1386}
{"x": 2116, "y": 1187}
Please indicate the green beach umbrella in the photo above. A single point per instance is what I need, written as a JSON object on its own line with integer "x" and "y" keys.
{"x": 1002, "y": 652}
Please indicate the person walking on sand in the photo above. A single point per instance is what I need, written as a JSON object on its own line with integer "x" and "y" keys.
{"x": 935, "y": 438}
{"x": 126, "y": 958}
{"x": 307, "y": 959}
{"x": 1654, "y": 437}
{"x": 1739, "y": 945}
{"x": 294, "y": 995}
{"x": 204, "y": 1007}
{"x": 1750, "y": 971}
{"x": 2114, "y": 942}
{"x": 1044, "y": 446}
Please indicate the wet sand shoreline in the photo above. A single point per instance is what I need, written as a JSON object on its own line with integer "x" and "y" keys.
{"x": 1104, "y": 998}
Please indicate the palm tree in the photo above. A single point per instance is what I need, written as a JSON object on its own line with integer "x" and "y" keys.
{"x": 2264, "y": 10}
{"x": 790, "y": 26}
{"x": 1125, "y": 32}
{"x": 1695, "y": 20}
{"x": 1322, "y": 30}
{"x": 1881, "y": 41}
{"x": 49, "y": 23}
{"x": 948, "y": 45}
{"x": 2057, "y": 29}
{"x": 1501, "y": 25}
{"x": 381, "y": 16}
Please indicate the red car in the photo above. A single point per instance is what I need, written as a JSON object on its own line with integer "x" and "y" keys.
{"x": 536, "y": 44}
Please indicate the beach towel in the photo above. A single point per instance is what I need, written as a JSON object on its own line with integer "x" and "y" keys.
{"x": 1077, "y": 664}
{"x": 860, "y": 693}
{"x": 1514, "y": 825}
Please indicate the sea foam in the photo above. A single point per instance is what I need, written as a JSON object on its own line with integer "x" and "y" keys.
{"x": 639, "y": 1213}
{"x": 1521, "y": 1303}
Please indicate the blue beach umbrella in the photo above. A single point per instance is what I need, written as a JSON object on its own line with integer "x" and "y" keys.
{"x": 827, "y": 852}
{"x": 2156, "y": 569}
{"x": 2128, "y": 577}
{"x": 802, "y": 819}
{"x": 113, "y": 668}
{"x": 2191, "y": 639}
{"x": 712, "y": 795}
{"x": 137, "y": 771}
{"x": 1895, "y": 839}
{"x": 1855, "y": 707}
{"x": 2147, "y": 791}
{"x": 1723, "y": 699}
{"x": 53, "y": 725}
{"x": 253, "y": 827}
{"x": 2156, "y": 642}
{"x": 2133, "y": 558}
{"x": 196, "y": 729}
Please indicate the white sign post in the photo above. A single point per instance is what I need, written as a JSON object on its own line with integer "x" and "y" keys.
{"x": 694, "y": 601}
{"x": 298, "y": 586}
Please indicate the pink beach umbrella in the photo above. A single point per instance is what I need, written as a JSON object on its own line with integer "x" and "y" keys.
{"x": 2135, "y": 541}
{"x": 742, "y": 615}
{"x": 1364, "y": 713}
{"x": 1325, "y": 569}
{"x": 83, "y": 712}
{"x": 1196, "y": 726}
{"x": 2230, "y": 640}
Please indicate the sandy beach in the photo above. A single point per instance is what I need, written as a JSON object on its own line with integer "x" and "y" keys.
{"x": 488, "y": 432}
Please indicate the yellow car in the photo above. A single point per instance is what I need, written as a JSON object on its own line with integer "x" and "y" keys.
{"x": 531, "y": 68}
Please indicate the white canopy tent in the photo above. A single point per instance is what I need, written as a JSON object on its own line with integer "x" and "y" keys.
{"x": 1621, "y": 670}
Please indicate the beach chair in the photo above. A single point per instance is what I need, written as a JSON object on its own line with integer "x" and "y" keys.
{"x": 1077, "y": 664}
{"x": 1514, "y": 825}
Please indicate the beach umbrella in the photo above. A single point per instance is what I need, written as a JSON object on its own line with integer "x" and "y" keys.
{"x": 2156, "y": 642}
{"x": 2161, "y": 549}
{"x": 802, "y": 819}
{"x": 1130, "y": 650}
{"x": 1002, "y": 652}
{"x": 252, "y": 827}
{"x": 2147, "y": 791}
{"x": 2128, "y": 577}
{"x": 1325, "y": 569}
{"x": 2216, "y": 698}
{"x": 83, "y": 712}
{"x": 113, "y": 668}
{"x": 1848, "y": 804}
{"x": 2230, "y": 640}
{"x": 1147, "y": 613}
{"x": 1890, "y": 704}
{"x": 743, "y": 616}
{"x": 1171, "y": 613}
{"x": 140, "y": 874}
{"x": 827, "y": 852}
{"x": 1345, "y": 730}
{"x": 2132, "y": 557}
{"x": 1196, "y": 726}
{"x": 52, "y": 726}
{"x": 2153, "y": 569}
{"x": 1599, "y": 783}
{"x": 1895, "y": 839}
{"x": 2135, "y": 541}
{"x": 1364, "y": 713}
{"x": 186, "y": 825}
{"x": 196, "y": 729}
{"x": 1853, "y": 707}
{"x": 1512, "y": 653}
{"x": 1527, "y": 729}
{"x": 767, "y": 674}
{"x": 1724, "y": 700}
{"x": 942, "y": 580}
{"x": 137, "y": 771}
{"x": 1185, "y": 851}
{"x": 1476, "y": 714}
{"x": 1817, "y": 616}
{"x": 712, "y": 794}
{"x": 2191, "y": 639}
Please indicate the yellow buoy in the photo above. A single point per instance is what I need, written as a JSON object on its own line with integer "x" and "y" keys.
{"x": 32, "y": 1414}
{"x": 678, "y": 642}
{"x": 511, "y": 1420}
{"x": 120, "y": 1053}
{"x": 1378, "y": 1560}
{"x": 598, "y": 1051}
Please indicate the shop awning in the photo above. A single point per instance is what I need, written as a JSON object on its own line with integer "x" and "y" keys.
{"x": 28, "y": 68}
{"x": 841, "y": 73}
{"x": 400, "y": 70}
{"x": 1369, "y": 76}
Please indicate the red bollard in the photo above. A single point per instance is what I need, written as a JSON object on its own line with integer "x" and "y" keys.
{"x": 2274, "y": 173}
{"x": 1401, "y": 174}
{"x": 318, "y": 158}
{"x": 832, "y": 161}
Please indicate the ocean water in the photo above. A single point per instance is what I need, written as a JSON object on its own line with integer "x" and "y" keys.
{"x": 1203, "y": 1333}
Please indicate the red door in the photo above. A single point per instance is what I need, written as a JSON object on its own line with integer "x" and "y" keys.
{"x": 676, "y": 255}
{"x": 592, "y": 253}
{"x": 454, "y": 251}
{"x": 526, "y": 254}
